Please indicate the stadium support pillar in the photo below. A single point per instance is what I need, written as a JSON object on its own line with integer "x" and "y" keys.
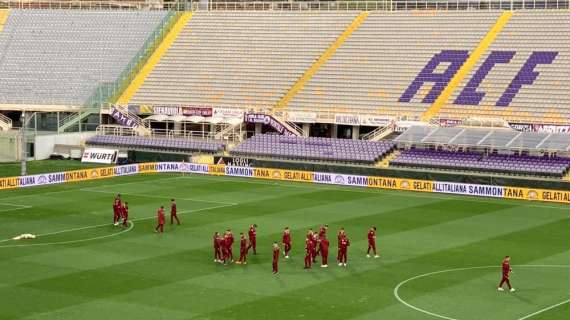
{"x": 258, "y": 128}
{"x": 306, "y": 130}
{"x": 334, "y": 131}
{"x": 177, "y": 128}
{"x": 355, "y": 132}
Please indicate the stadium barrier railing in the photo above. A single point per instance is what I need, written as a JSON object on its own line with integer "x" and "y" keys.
{"x": 382, "y": 5}
{"x": 327, "y": 178}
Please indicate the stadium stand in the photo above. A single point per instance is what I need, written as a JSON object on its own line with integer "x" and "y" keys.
{"x": 471, "y": 161}
{"x": 494, "y": 138}
{"x": 240, "y": 59}
{"x": 314, "y": 148}
{"x": 542, "y": 97}
{"x": 373, "y": 68}
{"x": 59, "y": 57}
{"x": 155, "y": 144}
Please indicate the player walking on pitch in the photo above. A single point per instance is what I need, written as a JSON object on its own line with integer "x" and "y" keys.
{"x": 242, "y": 249}
{"x": 341, "y": 234}
{"x": 217, "y": 248}
{"x": 160, "y": 218}
{"x": 308, "y": 253}
{"x": 252, "y": 233}
{"x": 173, "y": 212}
{"x": 286, "y": 242}
{"x": 275, "y": 258}
{"x": 125, "y": 213}
{"x": 372, "y": 242}
{"x": 506, "y": 268}
{"x": 343, "y": 251}
{"x": 324, "y": 249}
{"x": 117, "y": 207}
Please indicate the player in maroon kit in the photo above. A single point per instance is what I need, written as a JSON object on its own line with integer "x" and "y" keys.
{"x": 160, "y": 217}
{"x": 229, "y": 244}
{"x": 286, "y": 242}
{"x": 506, "y": 271}
{"x": 341, "y": 234}
{"x": 242, "y": 249}
{"x": 372, "y": 242}
{"x": 117, "y": 207}
{"x": 275, "y": 258}
{"x": 323, "y": 231}
{"x": 217, "y": 247}
{"x": 252, "y": 237}
{"x": 173, "y": 212}
{"x": 308, "y": 253}
{"x": 315, "y": 245}
{"x": 125, "y": 213}
{"x": 324, "y": 250}
{"x": 224, "y": 248}
{"x": 343, "y": 250}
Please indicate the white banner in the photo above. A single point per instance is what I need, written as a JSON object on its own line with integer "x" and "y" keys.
{"x": 96, "y": 155}
{"x": 347, "y": 119}
{"x": 228, "y": 112}
{"x": 302, "y": 117}
{"x": 374, "y": 121}
{"x": 193, "y": 168}
{"x": 340, "y": 179}
{"x": 469, "y": 189}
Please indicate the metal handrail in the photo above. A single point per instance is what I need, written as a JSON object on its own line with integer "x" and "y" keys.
{"x": 343, "y": 5}
{"x": 5, "y": 122}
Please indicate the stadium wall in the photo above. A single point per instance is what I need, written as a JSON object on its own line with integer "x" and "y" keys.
{"x": 362, "y": 181}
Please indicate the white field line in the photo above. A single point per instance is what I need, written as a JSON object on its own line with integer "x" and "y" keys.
{"x": 157, "y": 197}
{"x": 544, "y": 310}
{"x": 110, "y": 224}
{"x": 387, "y": 192}
{"x": 17, "y": 206}
{"x": 131, "y": 226}
{"x": 433, "y": 314}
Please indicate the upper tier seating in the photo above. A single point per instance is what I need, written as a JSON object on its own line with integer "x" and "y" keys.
{"x": 251, "y": 59}
{"x": 524, "y": 165}
{"x": 240, "y": 59}
{"x": 155, "y": 144}
{"x": 547, "y": 99}
{"x": 326, "y": 149}
{"x": 59, "y": 57}
{"x": 376, "y": 64}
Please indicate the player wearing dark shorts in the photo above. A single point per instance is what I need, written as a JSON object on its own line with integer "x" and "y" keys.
{"x": 173, "y": 212}
{"x": 506, "y": 268}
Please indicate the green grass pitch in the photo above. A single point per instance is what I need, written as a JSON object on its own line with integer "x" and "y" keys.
{"x": 442, "y": 253}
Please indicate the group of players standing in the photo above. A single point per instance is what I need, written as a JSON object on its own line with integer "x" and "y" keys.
{"x": 316, "y": 244}
{"x": 121, "y": 212}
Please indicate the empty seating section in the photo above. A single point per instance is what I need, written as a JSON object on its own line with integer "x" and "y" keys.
{"x": 547, "y": 99}
{"x": 240, "y": 59}
{"x": 325, "y": 149}
{"x": 155, "y": 144}
{"x": 524, "y": 165}
{"x": 494, "y": 138}
{"x": 59, "y": 57}
{"x": 377, "y": 63}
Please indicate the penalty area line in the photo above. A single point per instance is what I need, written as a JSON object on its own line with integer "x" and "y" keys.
{"x": 101, "y": 225}
{"x": 159, "y": 197}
